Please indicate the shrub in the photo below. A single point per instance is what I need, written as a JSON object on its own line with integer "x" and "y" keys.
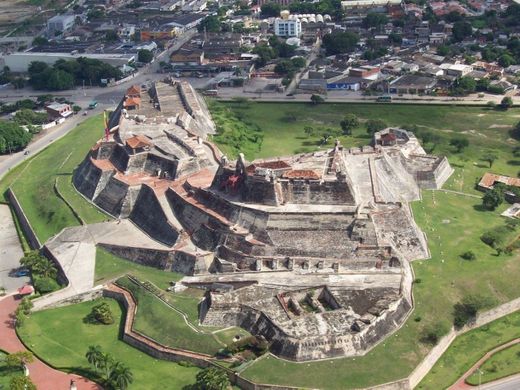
{"x": 469, "y": 255}
{"x": 467, "y": 309}
{"x": 102, "y": 314}
{"x": 433, "y": 333}
{"x": 417, "y": 319}
{"x": 45, "y": 285}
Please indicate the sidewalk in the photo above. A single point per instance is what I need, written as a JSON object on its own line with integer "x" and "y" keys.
{"x": 45, "y": 377}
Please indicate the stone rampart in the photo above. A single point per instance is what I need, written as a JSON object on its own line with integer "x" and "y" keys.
{"x": 150, "y": 257}
{"x": 31, "y": 236}
{"x": 150, "y": 217}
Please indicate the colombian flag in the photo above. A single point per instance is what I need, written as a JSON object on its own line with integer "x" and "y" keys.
{"x": 107, "y": 130}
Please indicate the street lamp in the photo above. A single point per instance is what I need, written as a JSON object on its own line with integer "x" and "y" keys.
{"x": 480, "y": 373}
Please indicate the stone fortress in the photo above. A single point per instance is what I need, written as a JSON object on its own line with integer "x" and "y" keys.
{"x": 309, "y": 251}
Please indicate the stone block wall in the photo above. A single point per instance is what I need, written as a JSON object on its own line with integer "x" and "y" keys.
{"x": 33, "y": 240}
{"x": 150, "y": 257}
{"x": 149, "y": 216}
{"x": 111, "y": 196}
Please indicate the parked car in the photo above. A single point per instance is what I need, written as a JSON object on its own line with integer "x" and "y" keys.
{"x": 19, "y": 272}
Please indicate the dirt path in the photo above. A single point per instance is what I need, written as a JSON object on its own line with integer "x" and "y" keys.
{"x": 42, "y": 375}
{"x": 461, "y": 384}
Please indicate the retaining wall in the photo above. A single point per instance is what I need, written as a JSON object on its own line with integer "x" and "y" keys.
{"x": 33, "y": 240}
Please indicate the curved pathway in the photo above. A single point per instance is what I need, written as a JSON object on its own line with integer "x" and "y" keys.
{"x": 461, "y": 383}
{"x": 42, "y": 375}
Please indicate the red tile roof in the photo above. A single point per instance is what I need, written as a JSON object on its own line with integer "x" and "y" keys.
{"x": 134, "y": 90}
{"x": 489, "y": 179}
{"x": 301, "y": 174}
{"x": 132, "y": 102}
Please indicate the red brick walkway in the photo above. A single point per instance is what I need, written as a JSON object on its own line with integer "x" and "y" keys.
{"x": 45, "y": 377}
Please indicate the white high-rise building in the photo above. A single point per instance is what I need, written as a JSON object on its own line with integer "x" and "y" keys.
{"x": 287, "y": 27}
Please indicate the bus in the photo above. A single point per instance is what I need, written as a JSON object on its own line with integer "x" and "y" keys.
{"x": 384, "y": 99}
{"x": 93, "y": 104}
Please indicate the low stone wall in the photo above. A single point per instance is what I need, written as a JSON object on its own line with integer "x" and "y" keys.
{"x": 41, "y": 303}
{"x": 33, "y": 240}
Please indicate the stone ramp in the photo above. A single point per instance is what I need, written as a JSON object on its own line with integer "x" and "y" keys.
{"x": 74, "y": 250}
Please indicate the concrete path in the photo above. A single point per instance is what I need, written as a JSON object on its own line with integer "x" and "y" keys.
{"x": 461, "y": 383}
{"x": 10, "y": 252}
{"x": 45, "y": 377}
{"x": 75, "y": 250}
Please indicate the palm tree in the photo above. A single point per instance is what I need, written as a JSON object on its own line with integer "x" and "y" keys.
{"x": 107, "y": 364}
{"x": 94, "y": 356}
{"x": 45, "y": 268}
{"x": 121, "y": 376}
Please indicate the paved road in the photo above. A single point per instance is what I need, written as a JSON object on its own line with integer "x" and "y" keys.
{"x": 49, "y": 136}
{"x": 510, "y": 383}
{"x": 45, "y": 377}
{"x": 10, "y": 252}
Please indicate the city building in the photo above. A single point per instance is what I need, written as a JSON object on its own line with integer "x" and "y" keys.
{"x": 60, "y": 23}
{"x": 59, "y": 110}
{"x": 287, "y": 27}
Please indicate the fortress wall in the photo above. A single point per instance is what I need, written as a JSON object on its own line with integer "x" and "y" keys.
{"x": 86, "y": 178}
{"x": 129, "y": 201}
{"x": 110, "y": 197}
{"x": 259, "y": 191}
{"x": 188, "y": 215}
{"x": 187, "y": 166}
{"x": 189, "y": 263}
{"x": 397, "y": 227}
{"x": 119, "y": 158}
{"x": 310, "y": 221}
{"x": 150, "y": 257}
{"x": 207, "y": 237}
{"x": 316, "y": 192}
{"x": 152, "y": 163}
{"x": 149, "y": 216}
{"x": 136, "y": 163}
{"x": 104, "y": 150}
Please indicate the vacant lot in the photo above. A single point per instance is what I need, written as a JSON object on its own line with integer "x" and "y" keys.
{"x": 33, "y": 182}
{"x": 61, "y": 338}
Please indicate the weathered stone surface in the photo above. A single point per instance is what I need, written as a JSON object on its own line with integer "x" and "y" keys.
{"x": 310, "y": 251}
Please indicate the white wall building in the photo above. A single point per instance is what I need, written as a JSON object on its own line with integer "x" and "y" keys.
{"x": 60, "y": 23}
{"x": 287, "y": 27}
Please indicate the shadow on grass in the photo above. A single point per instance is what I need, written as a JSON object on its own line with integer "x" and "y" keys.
{"x": 85, "y": 372}
{"x": 479, "y": 207}
{"x": 514, "y": 163}
{"x": 457, "y": 165}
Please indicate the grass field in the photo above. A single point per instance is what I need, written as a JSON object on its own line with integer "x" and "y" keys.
{"x": 33, "y": 182}
{"x": 110, "y": 267}
{"x": 445, "y": 278}
{"x": 6, "y": 373}
{"x": 61, "y": 338}
{"x": 500, "y": 365}
{"x": 158, "y": 321}
{"x": 467, "y": 349}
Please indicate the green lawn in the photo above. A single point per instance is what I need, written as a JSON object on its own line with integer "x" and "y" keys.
{"x": 500, "y": 365}
{"x": 61, "y": 338}
{"x": 6, "y": 373}
{"x": 110, "y": 267}
{"x": 33, "y": 182}
{"x": 445, "y": 278}
{"x": 227, "y": 335}
{"x": 468, "y": 348}
{"x": 157, "y": 320}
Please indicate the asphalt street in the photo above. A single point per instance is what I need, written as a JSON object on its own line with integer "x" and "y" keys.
{"x": 511, "y": 383}
{"x": 10, "y": 252}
